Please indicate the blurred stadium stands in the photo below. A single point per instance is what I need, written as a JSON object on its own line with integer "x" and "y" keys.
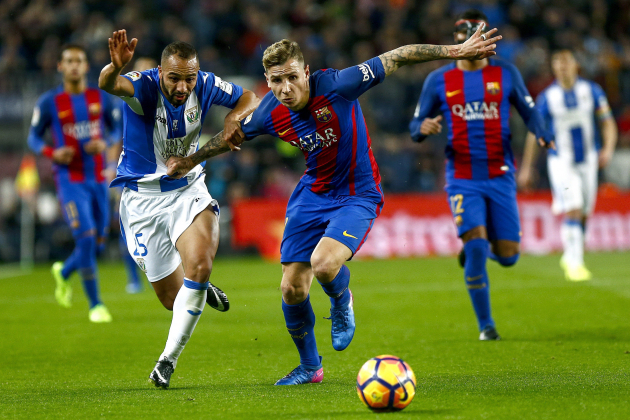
{"x": 231, "y": 36}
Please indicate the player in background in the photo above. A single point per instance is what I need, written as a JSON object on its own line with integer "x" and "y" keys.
{"x": 171, "y": 226}
{"x": 83, "y": 122}
{"x": 474, "y": 99}
{"x": 333, "y": 207}
{"x": 572, "y": 106}
{"x": 134, "y": 280}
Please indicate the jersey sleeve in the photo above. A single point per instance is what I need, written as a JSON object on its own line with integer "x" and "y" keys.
{"x": 543, "y": 107}
{"x": 145, "y": 94}
{"x": 42, "y": 117}
{"x": 254, "y": 124}
{"x": 524, "y": 104}
{"x": 428, "y": 107}
{"x": 354, "y": 81}
{"x": 112, "y": 118}
{"x": 216, "y": 91}
{"x": 602, "y": 109}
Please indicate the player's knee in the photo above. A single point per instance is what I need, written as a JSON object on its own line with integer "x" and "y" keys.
{"x": 324, "y": 268}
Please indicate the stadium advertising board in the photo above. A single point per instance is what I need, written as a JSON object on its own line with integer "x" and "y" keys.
{"x": 415, "y": 225}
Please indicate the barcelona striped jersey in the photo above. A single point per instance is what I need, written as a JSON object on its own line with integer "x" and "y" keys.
{"x": 476, "y": 109}
{"x": 75, "y": 119}
{"x": 155, "y": 130}
{"x": 330, "y": 131}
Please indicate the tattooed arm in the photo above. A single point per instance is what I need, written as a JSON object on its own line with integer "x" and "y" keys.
{"x": 177, "y": 167}
{"x": 477, "y": 47}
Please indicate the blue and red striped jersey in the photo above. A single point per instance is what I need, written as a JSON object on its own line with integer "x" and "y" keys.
{"x": 330, "y": 130}
{"x": 476, "y": 109}
{"x": 75, "y": 119}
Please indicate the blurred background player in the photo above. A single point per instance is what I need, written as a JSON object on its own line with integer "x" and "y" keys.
{"x": 134, "y": 279}
{"x": 83, "y": 122}
{"x": 570, "y": 106}
{"x": 474, "y": 98}
{"x": 171, "y": 226}
{"x": 337, "y": 200}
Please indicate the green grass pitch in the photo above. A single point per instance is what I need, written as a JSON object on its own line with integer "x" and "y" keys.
{"x": 565, "y": 352}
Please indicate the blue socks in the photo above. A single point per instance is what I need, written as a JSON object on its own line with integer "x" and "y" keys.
{"x": 83, "y": 259}
{"x": 504, "y": 261}
{"x": 476, "y": 277}
{"x": 300, "y": 321}
{"x": 337, "y": 289}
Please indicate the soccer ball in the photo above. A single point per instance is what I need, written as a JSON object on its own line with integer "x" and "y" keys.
{"x": 386, "y": 383}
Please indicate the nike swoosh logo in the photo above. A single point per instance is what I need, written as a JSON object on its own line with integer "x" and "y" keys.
{"x": 452, "y": 93}
{"x": 345, "y": 233}
{"x": 282, "y": 133}
{"x": 220, "y": 306}
{"x": 194, "y": 313}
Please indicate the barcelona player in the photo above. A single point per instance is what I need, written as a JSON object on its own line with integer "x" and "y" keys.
{"x": 333, "y": 208}
{"x": 83, "y": 122}
{"x": 474, "y": 97}
{"x": 578, "y": 113}
{"x": 170, "y": 226}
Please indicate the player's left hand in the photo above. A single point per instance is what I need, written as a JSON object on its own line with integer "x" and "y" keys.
{"x": 95, "y": 146}
{"x": 177, "y": 167}
{"x": 233, "y": 133}
{"x": 479, "y": 46}
{"x": 604, "y": 158}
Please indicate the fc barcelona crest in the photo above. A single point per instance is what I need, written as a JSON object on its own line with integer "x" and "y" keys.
{"x": 323, "y": 114}
{"x": 192, "y": 114}
{"x": 493, "y": 88}
{"x": 94, "y": 108}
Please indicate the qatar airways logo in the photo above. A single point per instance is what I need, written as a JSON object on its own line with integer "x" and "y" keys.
{"x": 83, "y": 130}
{"x": 473, "y": 111}
{"x": 312, "y": 141}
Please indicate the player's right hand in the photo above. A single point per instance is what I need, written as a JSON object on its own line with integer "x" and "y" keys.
{"x": 177, "y": 167}
{"x": 431, "y": 126}
{"x": 63, "y": 155}
{"x": 120, "y": 50}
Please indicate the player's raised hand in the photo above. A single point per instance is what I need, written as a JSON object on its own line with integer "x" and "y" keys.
{"x": 120, "y": 50}
{"x": 479, "y": 46}
{"x": 431, "y": 126}
{"x": 95, "y": 146}
{"x": 63, "y": 155}
{"x": 177, "y": 167}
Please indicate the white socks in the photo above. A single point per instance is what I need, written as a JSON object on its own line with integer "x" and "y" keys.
{"x": 572, "y": 235}
{"x": 187, "y": 309}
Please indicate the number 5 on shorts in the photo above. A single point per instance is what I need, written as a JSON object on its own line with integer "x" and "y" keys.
{"x": 139, "y": 245}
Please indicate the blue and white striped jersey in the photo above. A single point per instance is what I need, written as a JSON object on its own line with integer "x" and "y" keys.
{"x": 571, "y": 115}
{"x": 154, "y": 130}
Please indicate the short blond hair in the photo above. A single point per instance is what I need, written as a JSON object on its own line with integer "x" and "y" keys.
{"x": 280, "y": 52}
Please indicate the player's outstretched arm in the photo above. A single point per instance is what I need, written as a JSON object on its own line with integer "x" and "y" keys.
{"x": 477, "y": 47}
{"x": 121, "y": 53}
{"x": 177, "y": 167}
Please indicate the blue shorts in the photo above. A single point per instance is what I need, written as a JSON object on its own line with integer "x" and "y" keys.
{"x": 85, "y": 207}
{"x": 310, "y": 217}
{"x": 490, "y": 203}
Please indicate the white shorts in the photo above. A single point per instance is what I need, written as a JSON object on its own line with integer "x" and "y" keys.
{"x": 151, "y": 223}
{"x": 573, "y": 185}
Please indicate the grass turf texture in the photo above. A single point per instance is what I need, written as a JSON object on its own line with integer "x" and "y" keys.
{"x": 565, "y": 351}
